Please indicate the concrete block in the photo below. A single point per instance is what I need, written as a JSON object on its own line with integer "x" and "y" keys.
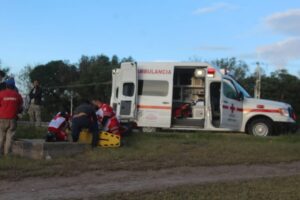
{"x": 39, "y": 149}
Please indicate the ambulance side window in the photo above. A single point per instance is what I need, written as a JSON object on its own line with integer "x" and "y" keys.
{"x": 229, "y": 90}
{"x": 153, "y": 88}
{"x": 128, "y": 89}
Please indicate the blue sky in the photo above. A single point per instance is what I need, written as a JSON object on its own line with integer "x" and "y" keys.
{"x": 37, "y": 31}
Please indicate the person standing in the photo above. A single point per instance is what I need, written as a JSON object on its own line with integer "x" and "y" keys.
{"x": 35, "y": 103}
{"x": 11, "y": 104}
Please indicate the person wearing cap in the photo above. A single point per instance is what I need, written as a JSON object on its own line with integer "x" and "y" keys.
{"x": 11, "y": 81}
{"x": 35, "y": 103}
{"x": 11, "y": 103}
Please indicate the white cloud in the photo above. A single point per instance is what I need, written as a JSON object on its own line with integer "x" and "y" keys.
{"x": 281, "y": 53}
{"x": 285, "y": 22}
{"x": 214, "y": 8}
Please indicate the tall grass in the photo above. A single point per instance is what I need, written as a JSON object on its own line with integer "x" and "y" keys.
{"x": 162, "y": 150}
{"x": 272, "y": 188}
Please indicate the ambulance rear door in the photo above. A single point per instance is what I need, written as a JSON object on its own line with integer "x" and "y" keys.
{"x": 127, "y": 94}
{"x": 114, "y": 100}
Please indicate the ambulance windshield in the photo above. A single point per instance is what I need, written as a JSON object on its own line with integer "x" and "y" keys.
{"x": 242, "y": 89}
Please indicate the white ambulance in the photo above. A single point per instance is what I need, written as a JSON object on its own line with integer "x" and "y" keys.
{"x": 191, "y": 96}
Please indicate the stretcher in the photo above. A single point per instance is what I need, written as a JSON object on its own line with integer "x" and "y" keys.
{"x": 105, "y": 139}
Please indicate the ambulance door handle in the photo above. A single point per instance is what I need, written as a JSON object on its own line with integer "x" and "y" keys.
{"x": 225, "y": 101}
{"x": 165, "y": 102}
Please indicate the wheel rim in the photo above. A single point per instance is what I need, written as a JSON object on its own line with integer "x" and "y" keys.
{"x": 260, "y": 129}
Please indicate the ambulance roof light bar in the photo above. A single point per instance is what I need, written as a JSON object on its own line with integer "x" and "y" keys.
{"x": 211, "y": 72}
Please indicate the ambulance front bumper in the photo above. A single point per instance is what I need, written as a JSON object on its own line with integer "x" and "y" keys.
{"x": 286, "y": 127}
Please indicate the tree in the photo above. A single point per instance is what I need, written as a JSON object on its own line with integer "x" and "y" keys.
{"x": 282, "y": 86}
{"x": 237, "y": 68}
{"x": 55, "y": 78}
{"x": 128, "y": 59}
{"x": 24, "y": 80}
{"x": 5, "y": 69}
{"x": 95, "y": 72}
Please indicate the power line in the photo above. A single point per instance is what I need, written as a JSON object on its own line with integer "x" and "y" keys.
{"x": 78, "y": 85}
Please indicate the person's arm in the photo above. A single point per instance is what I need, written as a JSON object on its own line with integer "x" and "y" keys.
{"x": 94, "y": 117}
{"x": 31, "y": 95}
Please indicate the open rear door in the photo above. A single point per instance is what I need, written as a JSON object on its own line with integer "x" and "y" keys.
{"x": 127, "y": 94}
{"x": 114, "y": 100}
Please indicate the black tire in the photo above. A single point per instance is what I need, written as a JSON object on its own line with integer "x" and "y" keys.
{"x": 261, "y": 127}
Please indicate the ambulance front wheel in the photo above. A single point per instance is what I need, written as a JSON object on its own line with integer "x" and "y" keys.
{"x": 260, "y": 127}
{"x": 149, "y": 129}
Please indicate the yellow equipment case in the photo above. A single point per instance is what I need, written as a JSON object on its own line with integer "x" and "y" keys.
{"x": 105, "y": 139}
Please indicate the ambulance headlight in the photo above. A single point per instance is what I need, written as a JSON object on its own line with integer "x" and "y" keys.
{"x": 199, "y": 73}
{"x": 284, "y": 112}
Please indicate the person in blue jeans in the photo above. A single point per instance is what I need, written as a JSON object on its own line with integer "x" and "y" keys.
{"x": 85, "y": 118}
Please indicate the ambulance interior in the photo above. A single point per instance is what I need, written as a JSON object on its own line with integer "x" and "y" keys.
{"x": 188, "y": 97}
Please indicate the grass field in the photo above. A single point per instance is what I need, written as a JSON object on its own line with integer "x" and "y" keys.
{"x": 157, "y": 151}
{"x": 261, "y": 189}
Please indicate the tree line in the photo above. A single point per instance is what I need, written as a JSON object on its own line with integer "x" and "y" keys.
{"x": 91, "y": 77}
{"x": 63, "y": 82}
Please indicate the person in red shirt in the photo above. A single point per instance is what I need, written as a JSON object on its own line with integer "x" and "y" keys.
{"x": 103, "y": 110}
{"x": 107, "y": 117}
{"x": 57, "y": 127}
{"x": 11, "y": 104}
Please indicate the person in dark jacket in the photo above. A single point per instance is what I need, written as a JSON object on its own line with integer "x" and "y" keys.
{"x": 84, "y": 117}
{"x": 11, "y": 103}
{"x": 35, "y": 103}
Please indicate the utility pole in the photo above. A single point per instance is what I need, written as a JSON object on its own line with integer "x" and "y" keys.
{"x": 71, "y": 102}
{"x": 257, "y": 81}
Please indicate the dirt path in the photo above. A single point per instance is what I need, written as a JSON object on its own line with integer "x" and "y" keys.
{"x": 98, "y": 183}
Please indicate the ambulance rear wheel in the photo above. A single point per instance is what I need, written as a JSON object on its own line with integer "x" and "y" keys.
{"x": 149, "y": 129}
{"x": 261, "y": 127}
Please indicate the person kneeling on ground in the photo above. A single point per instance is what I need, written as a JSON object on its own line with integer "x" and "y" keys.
{"x": 108, "y": 119}
{"x": 57, "y": 128}
{"x": 85, "y": 118}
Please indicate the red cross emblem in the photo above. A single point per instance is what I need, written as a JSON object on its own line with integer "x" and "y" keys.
{"x": 232, "y": 108}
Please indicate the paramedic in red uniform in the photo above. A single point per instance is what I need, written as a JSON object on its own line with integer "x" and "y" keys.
{"x": 11, "y": 104}
{"x": 103, "y": 109}
{"x": 57, "y": 127}
{"x": 107, "y": 117}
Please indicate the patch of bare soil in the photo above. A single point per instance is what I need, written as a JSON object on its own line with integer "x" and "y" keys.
{"x": 93, "y": 184}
